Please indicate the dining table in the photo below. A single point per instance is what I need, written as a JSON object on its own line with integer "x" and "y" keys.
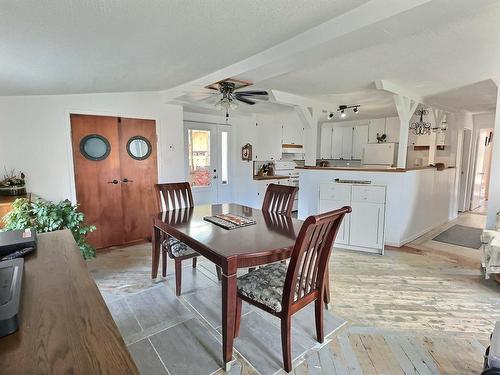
{"x": 270, "y": 239}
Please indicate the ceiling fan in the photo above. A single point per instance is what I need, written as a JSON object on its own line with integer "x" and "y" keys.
{"x": 228, "y": 94}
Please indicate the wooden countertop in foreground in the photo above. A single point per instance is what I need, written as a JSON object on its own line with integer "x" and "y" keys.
{"x": 65, "y": 326}
{"x": 393, "y": 170}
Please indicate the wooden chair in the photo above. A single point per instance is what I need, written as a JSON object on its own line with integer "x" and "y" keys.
{"x": 279, "y": 199}
{"x": 282, "y": 290}
{"x": 174, "y": 196}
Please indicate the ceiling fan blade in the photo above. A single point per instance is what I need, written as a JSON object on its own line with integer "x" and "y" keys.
{"x": 244, "y": 100}
{"x": 251, "y": 93}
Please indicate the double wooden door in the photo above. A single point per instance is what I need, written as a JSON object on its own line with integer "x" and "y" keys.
{"x": 115, "y": 166}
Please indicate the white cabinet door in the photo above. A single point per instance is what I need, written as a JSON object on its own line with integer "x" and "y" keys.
{"x": 326, "y": 143}
{"x": 336, "y": 143}
{"x": 441, "y": 138}
{"x": 392, "y": 129}
{"x": 376, "y": 126}
{"x": 343, "y": 233}
{"x": 367, "y": 225}
{"x": 261, "y": 190}
{"x": 347, "y": 143}
{"x": 293, "y": 130}
{"x": 359, "y": 138}
{"x": 268, "y": 142}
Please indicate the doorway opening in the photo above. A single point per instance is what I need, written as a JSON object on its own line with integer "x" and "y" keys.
{"x": 481, "y": 172}
{"x": 208, "y": 162}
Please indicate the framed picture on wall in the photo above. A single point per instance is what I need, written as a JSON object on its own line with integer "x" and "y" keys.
{"x": 246, "y": 152}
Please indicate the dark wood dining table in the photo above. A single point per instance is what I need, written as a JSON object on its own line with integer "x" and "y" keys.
{"x": 269, "y": 240}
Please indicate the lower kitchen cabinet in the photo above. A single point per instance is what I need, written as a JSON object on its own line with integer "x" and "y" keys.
{"x": 343, "y": 233}
{"x": 363, "y": 229}
{"x": 367, "y": 225}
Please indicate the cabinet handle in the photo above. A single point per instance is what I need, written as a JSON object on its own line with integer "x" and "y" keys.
{"x": 113, "y": 182}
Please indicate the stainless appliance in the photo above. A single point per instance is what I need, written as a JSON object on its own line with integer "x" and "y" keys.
{"x": 287, "y": 168}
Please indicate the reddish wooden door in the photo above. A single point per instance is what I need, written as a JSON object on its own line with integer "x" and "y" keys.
{"x": 114, "y": 187}
{"x": 139, "y": 175}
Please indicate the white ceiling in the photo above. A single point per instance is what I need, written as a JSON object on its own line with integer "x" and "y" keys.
{"x": 83, "y": 46}
{"x": 432, "y": 49}
{"x": 443, "y": 50}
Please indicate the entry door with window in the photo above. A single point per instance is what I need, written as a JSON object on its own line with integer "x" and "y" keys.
{"x": 115, "y": 172}
{"x": 207, "y": 161}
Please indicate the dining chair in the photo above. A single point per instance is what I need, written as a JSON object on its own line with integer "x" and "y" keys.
{"x": 172, "y": 196}
{"x": 279, "y": 199}
{"x": 283, "y": 290}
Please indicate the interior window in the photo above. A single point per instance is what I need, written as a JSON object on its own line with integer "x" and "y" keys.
{"x": 224, "y": 156}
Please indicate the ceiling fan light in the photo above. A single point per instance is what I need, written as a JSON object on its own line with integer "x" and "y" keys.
{"x": 233, "y": 105}
{"x": 218, "y": 105}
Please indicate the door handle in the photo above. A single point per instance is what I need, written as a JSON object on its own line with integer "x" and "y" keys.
{"x": 126, "y": 180}
{"x": 215, "y": 177}
{"x": 113, "y": 182}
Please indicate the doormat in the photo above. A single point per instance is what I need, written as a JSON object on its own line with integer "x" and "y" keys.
{"x": 461, "y": 235}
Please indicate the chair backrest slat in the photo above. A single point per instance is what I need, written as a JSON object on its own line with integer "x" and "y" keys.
{"x": 279, "y": 199}
{"x": 310, "y": 256}
{"x": 173, "y": 196}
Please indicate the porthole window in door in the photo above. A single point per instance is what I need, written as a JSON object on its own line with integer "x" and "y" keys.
{"x": 139, "y": 148}
{"x": 95, "y": 147}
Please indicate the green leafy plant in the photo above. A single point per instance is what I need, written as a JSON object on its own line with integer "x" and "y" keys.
{"x": 46, "y": 216}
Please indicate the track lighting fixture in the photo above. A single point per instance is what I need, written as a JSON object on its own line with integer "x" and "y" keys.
{"x": 342, "y": 109}
{"x": 330, "y": 115}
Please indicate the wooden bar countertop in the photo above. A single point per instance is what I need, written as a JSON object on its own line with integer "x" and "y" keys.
{"x": 65, "y": 326}
{"x": 368, "y": 169}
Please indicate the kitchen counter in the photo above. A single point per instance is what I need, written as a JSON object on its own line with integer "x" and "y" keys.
{"x": 418, "y": 200}
{"x": 277, "y": 177}
{"x": 368, "y": 169}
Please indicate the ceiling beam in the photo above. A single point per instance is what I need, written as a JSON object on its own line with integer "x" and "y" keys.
{"x": 293, "y": 53}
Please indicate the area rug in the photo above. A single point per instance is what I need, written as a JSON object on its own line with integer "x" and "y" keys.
{"x": 461, "y": 235}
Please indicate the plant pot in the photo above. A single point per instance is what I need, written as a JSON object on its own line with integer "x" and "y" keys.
{"x": 13, "y": 190}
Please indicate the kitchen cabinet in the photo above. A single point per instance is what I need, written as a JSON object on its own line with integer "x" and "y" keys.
{"x": 419, "y": 140}
{"x": 441, "y": 138}
{"x": 363, "y": 229}
{"x": 260, "y": 191}
{"x": 292, "y": 130}
{"x": 268, "y": 145}
{"x": 376, "y": 126}
{"x": 359, "y": 138}
{"x": 346, "y": 142}
{"x": 392, "y": 126}
{"x": 337, "y": 143}
{"x": 326, "y": 143}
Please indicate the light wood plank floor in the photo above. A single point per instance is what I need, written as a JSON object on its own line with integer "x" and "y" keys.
{"x": 421, "y": 309}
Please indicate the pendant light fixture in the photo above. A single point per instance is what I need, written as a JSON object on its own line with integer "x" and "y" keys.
{"x": 421, "y": 127}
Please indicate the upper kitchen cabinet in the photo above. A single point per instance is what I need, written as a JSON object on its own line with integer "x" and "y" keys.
{"x": 392, "y": 129}
{"x": 292, "y": 130}
{"x": 267, "y": 145}
{"x": 347, "y": 134}
{"x": 377, "y": 126}
{"x": 326, "y": 142}
{"x": 359, "y": 138}
{"x": 337, "y": 143}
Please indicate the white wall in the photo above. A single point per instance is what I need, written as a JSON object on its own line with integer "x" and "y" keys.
{"x": 35, "y": 135}
{"x": 494, "y": 188}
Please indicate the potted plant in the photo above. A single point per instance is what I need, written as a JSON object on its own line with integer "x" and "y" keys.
{"x": 13, "y": 183}
{"x": 46, "y": 216}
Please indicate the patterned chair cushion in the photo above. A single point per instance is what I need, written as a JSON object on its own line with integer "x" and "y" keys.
{"x": 178, "y": 248}
{"x": 265, "y": 285}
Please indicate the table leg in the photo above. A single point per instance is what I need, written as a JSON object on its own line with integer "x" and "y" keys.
{"x": 228, "y": 317}
{"x": 155, "y": 258}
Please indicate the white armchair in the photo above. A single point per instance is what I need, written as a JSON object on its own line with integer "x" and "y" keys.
{"x": 491, "y": 250}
